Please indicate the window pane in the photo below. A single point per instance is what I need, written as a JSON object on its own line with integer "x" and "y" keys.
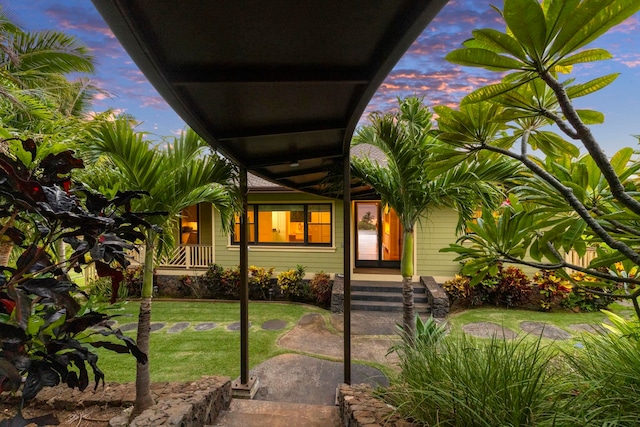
{"x": 281, "y": 223}
{"x": 319, "y": 230}
{"x": 250, "y": 225}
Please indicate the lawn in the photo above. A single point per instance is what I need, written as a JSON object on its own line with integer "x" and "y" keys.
{"x": 189, "y": 354}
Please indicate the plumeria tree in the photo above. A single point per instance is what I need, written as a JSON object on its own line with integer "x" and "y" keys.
{"x": 568, "y": 201}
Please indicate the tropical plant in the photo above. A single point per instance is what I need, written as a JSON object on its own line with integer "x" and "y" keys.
{"x": 607, "y": 365}
{"x": 569, "y": 201}
{"x": 553, "y": 289}
{"x": 321, "y": 287}
{"x": 411, "y": 183}
{"x": 461, "y": 381}
{"x": 291, "y": 282}
{"x": 32, "y": 67}
{"x": 260, "y": 282}
{"x": 46, "y": 334}
{"x": 182, "y": 174}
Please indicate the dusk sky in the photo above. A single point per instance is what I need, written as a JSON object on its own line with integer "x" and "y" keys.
{"x": 422, "y": 71}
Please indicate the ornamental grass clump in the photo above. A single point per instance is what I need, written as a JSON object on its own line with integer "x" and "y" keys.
{"x": 608, "y": 367}
{"x": 461, "y": 381}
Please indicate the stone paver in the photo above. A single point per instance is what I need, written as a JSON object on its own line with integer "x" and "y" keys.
{"x": 305, "y": 379}
{"x": 488, "y": 330}
{"x": 545, "y": 330}
{"x": 274, "y": 325}
{"x": 205, "y": 326}
{"x": 588, "y": 328}
{"x": 178, "y": 327}
{"x": 157, "y": 326}
{"x": 129, "y": 327}
{"x": 310, "y": 335}
{"x": 235, "y": 326}
{"x": 244, "y": 413}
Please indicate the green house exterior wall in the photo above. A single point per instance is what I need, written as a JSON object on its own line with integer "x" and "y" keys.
{"x": 315, "y": 259}
{"x": 434, "y": 233}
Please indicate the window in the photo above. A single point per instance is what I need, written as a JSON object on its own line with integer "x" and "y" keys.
{"x": 294, "y": 224}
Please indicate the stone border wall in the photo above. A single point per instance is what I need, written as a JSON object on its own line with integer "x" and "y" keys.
{"x": 360, "y": 408}
{"x": 337, "y": 294}
{"x": 437, "y": 297}
{"x": 193, "y": 409}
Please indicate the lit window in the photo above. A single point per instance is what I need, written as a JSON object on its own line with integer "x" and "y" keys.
{"x": 304, "y": 224}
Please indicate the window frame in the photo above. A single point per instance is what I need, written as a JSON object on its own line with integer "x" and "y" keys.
{"x": 254, "y": 208}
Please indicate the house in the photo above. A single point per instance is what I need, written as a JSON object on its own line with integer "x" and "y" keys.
{"x": 288, "y": 228}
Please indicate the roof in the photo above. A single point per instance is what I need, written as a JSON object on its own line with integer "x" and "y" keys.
{"x": 276, "y": 86}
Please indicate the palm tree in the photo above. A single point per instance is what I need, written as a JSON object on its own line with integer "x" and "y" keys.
{"x": 404, "y": 183}
{"x": 30, "y": 63}
{"x": 181, "y": 175}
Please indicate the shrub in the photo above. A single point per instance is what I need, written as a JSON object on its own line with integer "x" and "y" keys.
{"x": 259, "y": 282}
{"x": 321, "y": 286}
{"x": 133, "y": 280}
{"x": 291, "y": 282}
{"x": 583, "y": 300}
{"x": 553, "y": 289}
{"x": 220, "y": 283}
{"x": 99, "y": 290}
{"x": 510, "y": 287}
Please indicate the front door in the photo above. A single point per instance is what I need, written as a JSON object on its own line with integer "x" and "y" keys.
{"x": 378, "y": 236}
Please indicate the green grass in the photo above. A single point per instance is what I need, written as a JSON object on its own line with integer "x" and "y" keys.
{"x": 190, "y": 354}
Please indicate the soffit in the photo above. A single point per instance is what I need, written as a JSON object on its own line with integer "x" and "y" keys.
{"x": 277, "y": 86}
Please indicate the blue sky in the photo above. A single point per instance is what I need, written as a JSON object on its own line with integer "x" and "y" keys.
{"x": 422, "y": 71}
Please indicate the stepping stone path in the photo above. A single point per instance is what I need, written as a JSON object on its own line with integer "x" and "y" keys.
{"x": 587, "y": 327}
{"x": 235, "y": 326}
{"x": 129, "y": 327}
{"x": 545, "y": 330}
{"x": 488, "y": 330}
{"x": 156, "y": 326}
{"x": 274, "y": 325}
{"x": 178, "y": 327}
{"x": 206, "y": 326}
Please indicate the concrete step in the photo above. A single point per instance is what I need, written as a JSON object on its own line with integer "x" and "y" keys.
{"x": 260, "y": 413}
{"x": 387, "y": 306}
{"x": 385, "y": 296}
{"x": 359, "y": 286}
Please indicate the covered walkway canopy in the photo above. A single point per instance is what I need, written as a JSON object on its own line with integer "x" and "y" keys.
{"x": 277, "y": 86}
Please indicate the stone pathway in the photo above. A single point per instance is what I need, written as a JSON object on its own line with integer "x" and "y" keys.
{"x": 270, "y": 325}
{"x": 546, "y": 330}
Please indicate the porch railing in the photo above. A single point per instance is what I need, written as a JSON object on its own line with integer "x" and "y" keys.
{"x": 183, "y": 257}
{"x": 572, "y": 257}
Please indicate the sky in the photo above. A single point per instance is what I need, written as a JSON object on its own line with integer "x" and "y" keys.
{"x": 422, "y": 71}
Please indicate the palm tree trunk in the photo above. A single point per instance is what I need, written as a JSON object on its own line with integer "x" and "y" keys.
{"x": 406, "y": 269}
{"x": 144, "y": 400}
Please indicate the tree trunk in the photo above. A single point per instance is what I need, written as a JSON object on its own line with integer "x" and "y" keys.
{"x": 144, "y": 400}
{"x": 406, "y": 269}
{"x": 5, "y": 252}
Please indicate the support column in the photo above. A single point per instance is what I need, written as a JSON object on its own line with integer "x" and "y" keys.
{"x": 346, "y": 197}
{"x": 244, "y": 387}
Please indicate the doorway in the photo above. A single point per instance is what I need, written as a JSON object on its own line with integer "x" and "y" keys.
{"x": 378, "y": 236}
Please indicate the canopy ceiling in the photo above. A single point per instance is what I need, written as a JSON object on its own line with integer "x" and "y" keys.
{"x": 278, "y": 86}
